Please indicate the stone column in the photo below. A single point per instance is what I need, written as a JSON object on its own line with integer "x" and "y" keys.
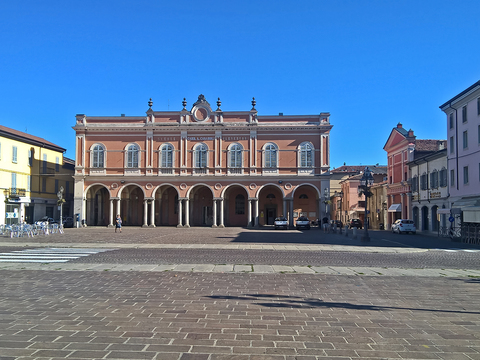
{"x": 290, "y": 212}
{"x": 257, "y": 214}
{"x": 145, "y": 213}
{"x": 110, "y": 224}
{"x": 187, "y": 213}
{"x": 84, "y": 212}
{"x": 180, "y": 220}
{"x": 221, "y": 215}
{"x": 249, "y": 212}
{"x": 152, "y": 213}
{"x": 118, "y": 207}
{"x": 214, "y": 213}
{"x": 284, "y": 210}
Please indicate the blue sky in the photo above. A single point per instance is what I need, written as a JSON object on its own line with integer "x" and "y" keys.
{"x": 371, "y": 64}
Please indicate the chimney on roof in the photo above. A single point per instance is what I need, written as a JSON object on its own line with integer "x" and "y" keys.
{"x": 399, "y": 125}
{"x": 122, "y": 115}
{"x": 410, "y": 133}
{"x": 280, "y": 114}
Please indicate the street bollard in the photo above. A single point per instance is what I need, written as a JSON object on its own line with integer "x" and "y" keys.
{"x": 346, "y": 231}
{"x": 354, "y": 233}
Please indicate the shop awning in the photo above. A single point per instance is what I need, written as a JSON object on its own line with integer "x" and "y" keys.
{"x": 444, "y": 211}
{"x": 395, "y": 208}
{"x": 466, "y": 202}
{"x": 472, "y": 214}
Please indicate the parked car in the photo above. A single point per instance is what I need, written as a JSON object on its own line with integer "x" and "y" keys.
{"x": 404, "y": 226}
{"x": 68, "y": 222}
{"x": 281, "y": 223}
{"x": 355, "y": 223}
{"x": 47, "y": 220}
{"x": 302, "y": 223}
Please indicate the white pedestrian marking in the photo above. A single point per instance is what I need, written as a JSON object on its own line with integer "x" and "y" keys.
{"x": 457, "y": 250}
{"x": 48, "y": 255}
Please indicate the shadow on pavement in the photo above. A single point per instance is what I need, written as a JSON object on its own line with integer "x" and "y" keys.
{"x": 282, "y": 301}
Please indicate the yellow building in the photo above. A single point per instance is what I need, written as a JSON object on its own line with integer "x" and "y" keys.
{"x": 32, "y": 172}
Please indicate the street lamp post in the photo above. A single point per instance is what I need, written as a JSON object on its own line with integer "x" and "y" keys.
{"x": 366, "y": 183}
{"x": 339, "y": 210}
{"x": 60, "y": 202}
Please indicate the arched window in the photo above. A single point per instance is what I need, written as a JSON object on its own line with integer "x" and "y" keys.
{"x": 98, "y": 155}
{"x": 236, "y": 155}
{"x": 271, "y": 157}
{"x": 132, "y": 156}
{"x": 201, "y": 158}
{"x": 166, "y": 158}
{"x": 306, "y": 155}
{"x": 240, "y": 204}
{"x": 303, "y": 196}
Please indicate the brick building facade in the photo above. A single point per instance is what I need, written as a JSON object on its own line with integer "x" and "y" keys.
{"x": 200, "y": 167}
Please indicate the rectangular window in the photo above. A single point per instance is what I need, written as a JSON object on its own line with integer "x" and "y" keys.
{"x": 434, "y": 180}
{"x": 423, "y": 182}
{"x": 465, "y": 139}
{"x": 465, "y": 174}
{"x": 0, "y": 151}
{"x": 44, "y": 163}
{"x": 56, "y": 186}
{"x": 451, "y": 144}
{"x": 67, "y": 188}
{"x": 14, "y": 154}
{"x": 452, "y": 177}
{"x": 14, "y": 180}
{"x": 57, "y": 164}
{"x": 450, "y": 120}
{"x": 44, "y": 185}
{"x": 479, "y": 134}
{"x": 478, "y": 106}
{"x": 29, "y": 183}
{"x": 443, "y": 178}
{"x": 30, "y": 157}
{"x": 464, "y": 114}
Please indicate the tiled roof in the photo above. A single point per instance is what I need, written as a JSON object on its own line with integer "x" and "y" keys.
{"x": 378, "y": 169}
{"x": 21, "y": 136}
{"x": 430, "y": 145}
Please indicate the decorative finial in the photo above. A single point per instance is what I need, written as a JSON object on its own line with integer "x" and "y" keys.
{"x": 253, "y": 104}
{"x": 219, "y": 103}
{"x": 184, "y": 103}
{"x": 150, "y": 103}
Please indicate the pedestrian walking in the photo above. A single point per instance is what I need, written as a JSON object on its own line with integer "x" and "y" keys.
{"x": 325, "y": 224}
{"x": 118, "y": 223}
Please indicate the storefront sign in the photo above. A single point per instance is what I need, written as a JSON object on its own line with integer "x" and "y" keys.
{"x": 435, "y": 195}
{"x": 11, "y": 215}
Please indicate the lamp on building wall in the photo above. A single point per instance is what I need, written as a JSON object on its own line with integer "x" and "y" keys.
{"x": 60, "y": 202}
{"x": 366, "y": 183}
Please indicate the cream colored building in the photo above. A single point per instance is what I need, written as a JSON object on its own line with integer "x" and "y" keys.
{"x": 32, "y": 170}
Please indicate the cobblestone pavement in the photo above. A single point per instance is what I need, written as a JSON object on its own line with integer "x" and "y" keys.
{"x": 212, "y": 316}
{"x": 134, "y": 310}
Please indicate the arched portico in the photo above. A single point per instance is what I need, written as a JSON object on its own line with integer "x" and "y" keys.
{"x": 306, "y": 202}
{"x": 133, "y": 207}
{"x": 271, "y": 204}
{"x": 237, "y": 206}
{"x": 97, "y": 205}
{"x": 199, "y": 206}
{"x": 166, "y": 207}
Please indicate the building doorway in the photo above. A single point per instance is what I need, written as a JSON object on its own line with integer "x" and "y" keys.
{"x": 271, "y": 214}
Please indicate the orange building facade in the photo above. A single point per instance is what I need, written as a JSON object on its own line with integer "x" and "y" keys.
{"x": 200, "y": 167}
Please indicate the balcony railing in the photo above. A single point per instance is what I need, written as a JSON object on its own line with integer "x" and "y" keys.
{"x": 16, "y": 192}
